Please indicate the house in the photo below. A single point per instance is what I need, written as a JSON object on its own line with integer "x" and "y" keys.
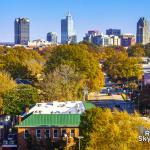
{"x": 53, "y": 122}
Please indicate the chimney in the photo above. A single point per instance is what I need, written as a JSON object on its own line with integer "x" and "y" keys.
{"x": 20, "y": 119}
{"x": 27, "y": 110}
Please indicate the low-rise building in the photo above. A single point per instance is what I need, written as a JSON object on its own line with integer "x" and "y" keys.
{"x": 90, "y": 35}
{"x": 101, "y": 39}
{"x": 39, "y": 43}
{"x": 5, "y": 124}
{"x": 128, "y": 40}
{"x": 146, "y": 70}
{"x": 53, "y": 121}
{"x": 116, "y": 40}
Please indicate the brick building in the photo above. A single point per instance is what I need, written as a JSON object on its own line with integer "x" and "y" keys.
{"x": 56, "y": 122}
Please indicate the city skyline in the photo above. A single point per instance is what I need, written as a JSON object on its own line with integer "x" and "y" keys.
{"x": 91, "y": 15}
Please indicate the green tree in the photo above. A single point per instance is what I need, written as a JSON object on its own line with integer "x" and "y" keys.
{"x": 107, "y": 130}
{"x": 15, "y": 100}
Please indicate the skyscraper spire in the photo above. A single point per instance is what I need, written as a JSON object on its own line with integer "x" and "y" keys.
{"x": 69, "y": 14}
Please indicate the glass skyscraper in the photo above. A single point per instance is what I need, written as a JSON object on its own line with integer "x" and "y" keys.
{"x": 142, "y": 34}
{"x": 67, "y": 30}
{"x": 22, "y": 29}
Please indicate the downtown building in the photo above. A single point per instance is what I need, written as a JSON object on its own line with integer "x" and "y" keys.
{"x": 68, "y": 35}
{"x": 52, "y": 37}
{"x": 90, "y": 35}
{"x": 115, "y": 32}
{"x": 128, "y": 40}
{"x": 143, "y": 32}
{"x": 93, "y": 36}
{"x": 22, "y": 31}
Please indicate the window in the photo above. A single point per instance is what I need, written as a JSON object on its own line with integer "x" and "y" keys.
{"x": 38, "y": 133}
{"x": 26, "y": 134}
{"x": 47, "y": 133}
{"x": 56, "y": 133}
{"x": 72, "y": 133}
{"x": 63, "y": 132}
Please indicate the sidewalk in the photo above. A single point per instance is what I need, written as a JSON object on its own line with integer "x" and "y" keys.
{"x": 98, "y": 96}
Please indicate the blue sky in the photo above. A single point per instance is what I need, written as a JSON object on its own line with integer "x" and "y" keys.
{"x": 45, "y": 15}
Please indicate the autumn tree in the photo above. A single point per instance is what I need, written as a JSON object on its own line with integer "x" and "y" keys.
{"x": 61, "y": 84}
{"x": 117, "y": 64}
{"x": 136, "y": 51}
{"x": 147, "y": 50}
{"x": 81, "y": 60}
{"x": 107, "y": 130}
{"x": 6, "y": 84}
{"x": 22, "y": 63}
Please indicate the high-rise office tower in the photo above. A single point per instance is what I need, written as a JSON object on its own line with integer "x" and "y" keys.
{"x": 52, "y": 37}
{"x": 67, "y": 30}
{"x": 116, "y": 32}
{"x": 142, "y": 33}
{"x": 22, "y": 29}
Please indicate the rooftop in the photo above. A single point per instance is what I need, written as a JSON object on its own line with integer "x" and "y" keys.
{"x": 69, "y": 107}
{"x": 51, "y": 120}
{"x": 55, "y": 114}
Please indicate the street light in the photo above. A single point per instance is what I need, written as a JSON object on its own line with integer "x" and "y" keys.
{"x": 80, "y": 137}
{"x": 85, "y": 93}
{"x": 138, "y": 102}
{"x": 66, "y": 136}
{"x": 130, "y": 93}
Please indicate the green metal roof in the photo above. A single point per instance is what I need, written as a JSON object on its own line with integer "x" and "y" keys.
{"x": 88, "y": 105}
{"x": 51, "y": 120}
{"x": 54, "y": 120}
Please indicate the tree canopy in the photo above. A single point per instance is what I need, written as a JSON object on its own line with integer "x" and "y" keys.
{"x": 81, "y": 60}
{"x": 21, "y": 63}
{"x": 6, "y": 82}
{"x": 103, "y": 129}
{"x": 15, "y": 100}
{"x": 117, "y": 64}
{"x": 136, "y": 51}
{"x": 62, "y": 84}
{"x": 147, "y": 49}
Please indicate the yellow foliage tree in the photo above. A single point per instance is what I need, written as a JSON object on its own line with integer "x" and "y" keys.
{"x": 106, "y": 130}
{"x": 6, "y": 84}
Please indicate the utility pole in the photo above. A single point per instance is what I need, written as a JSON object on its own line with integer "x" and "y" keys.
{"x": 66, "y": 136}
{"x": 80, "y": 137}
